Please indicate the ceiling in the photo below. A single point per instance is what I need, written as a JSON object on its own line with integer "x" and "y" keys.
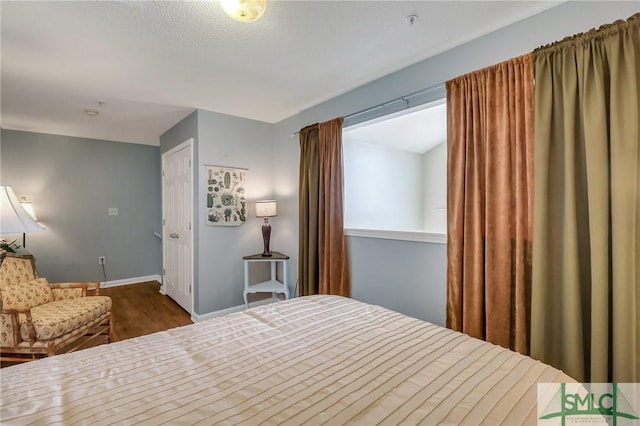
{"x": 416, "y": 130}
{"x": 144, "y": 65}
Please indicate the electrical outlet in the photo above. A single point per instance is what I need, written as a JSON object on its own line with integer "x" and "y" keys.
{"x": 102, "y": 260}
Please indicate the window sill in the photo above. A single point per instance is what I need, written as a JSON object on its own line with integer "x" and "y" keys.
{"x": 422, "y": 237}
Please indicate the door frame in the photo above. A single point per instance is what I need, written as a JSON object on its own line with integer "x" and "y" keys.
{"x": 183, "y": 145}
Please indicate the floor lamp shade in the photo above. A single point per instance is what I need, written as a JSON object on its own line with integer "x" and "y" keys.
{"x": 266, "y": 209}
{"x": 29, "y": 208}
{"x": 14, "y": 218}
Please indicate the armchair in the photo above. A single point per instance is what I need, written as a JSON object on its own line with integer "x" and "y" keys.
{"x": 42, "y": 319}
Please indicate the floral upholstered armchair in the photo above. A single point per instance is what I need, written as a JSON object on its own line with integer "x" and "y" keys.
{"x": 42, "y": 319}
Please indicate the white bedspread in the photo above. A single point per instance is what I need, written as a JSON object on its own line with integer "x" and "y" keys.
{"x": 314, "y": 360}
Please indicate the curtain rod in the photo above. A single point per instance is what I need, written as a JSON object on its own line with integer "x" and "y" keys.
{"x": 404, "y": 98}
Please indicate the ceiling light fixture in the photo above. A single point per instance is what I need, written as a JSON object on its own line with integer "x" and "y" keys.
{"x": 94, "y": 112}
{"x": 244, "y": 10}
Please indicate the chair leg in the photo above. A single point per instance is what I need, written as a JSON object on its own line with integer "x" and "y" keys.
{"x": 110, "y": 338}
{"x": 51, "y": 349}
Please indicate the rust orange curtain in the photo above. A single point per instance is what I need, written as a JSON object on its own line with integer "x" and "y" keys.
{"x": 490, "y": 203}
{"x": 332, "y": 256}
{"x": 323, "y": 264}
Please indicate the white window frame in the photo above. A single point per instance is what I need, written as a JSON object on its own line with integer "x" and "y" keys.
{"x": 431, "y": 95}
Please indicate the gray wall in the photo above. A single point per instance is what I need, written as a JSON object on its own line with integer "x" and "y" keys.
{"x": 233, "y": 142}
{"x": 407, "y": 276}
{"x": 379, "y": 276}
{"x": 72, "y": 182}
{"x": 225, "y": 140}
{"x": 186, "y": 129}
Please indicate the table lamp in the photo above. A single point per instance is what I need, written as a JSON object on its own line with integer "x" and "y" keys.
{"x": 266, "y": 209}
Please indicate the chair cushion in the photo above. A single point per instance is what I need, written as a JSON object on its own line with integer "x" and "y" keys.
{"x": 57, "y": 318}
{"x": 66, "y": 293}
{"x": 26, "y": 294}
{"x": 14, "y": 270}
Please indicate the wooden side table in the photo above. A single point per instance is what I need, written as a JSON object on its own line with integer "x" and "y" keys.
{"x": 271, "y": 286}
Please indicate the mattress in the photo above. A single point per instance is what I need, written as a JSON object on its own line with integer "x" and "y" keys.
{"x": 311, "y": 360}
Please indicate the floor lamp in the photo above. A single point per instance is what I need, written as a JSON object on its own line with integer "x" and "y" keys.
{"x": 14, "y": 219}
{"x": 29, "y": 209}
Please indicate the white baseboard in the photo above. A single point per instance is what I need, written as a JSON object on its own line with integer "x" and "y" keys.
{"x": 197, "y": 318}
{"x": 135, "y": 280}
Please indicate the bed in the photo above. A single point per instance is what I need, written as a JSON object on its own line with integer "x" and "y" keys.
{"x": 311, "y": 360}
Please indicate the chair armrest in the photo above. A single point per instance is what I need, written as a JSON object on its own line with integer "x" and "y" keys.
{"x": 26, "y": 311}
{"x": 15, "y": 319}
{"x": 95, "y": 286}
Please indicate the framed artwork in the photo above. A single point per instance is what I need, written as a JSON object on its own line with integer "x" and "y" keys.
{"x": 226, "y": 201}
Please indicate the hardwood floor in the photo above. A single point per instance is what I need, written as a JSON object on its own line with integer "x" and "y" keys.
{"x": 140, "y": 309}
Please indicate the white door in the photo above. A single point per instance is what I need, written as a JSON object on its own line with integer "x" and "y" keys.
{"x": 177, "y": 205}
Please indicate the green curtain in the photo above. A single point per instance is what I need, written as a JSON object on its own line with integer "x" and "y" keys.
{"x": 323, "y": 263}
{"x": 586, "y": 252}
{"x": 308, "y": 198}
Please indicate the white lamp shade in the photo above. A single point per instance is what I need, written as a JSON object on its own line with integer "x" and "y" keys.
{"x": 266, "y": 208}
{"x": 14, "y": 218}
{"x": 29, "y": 209}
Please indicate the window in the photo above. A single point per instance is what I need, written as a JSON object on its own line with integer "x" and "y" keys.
{"x": 395, "y": 170}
